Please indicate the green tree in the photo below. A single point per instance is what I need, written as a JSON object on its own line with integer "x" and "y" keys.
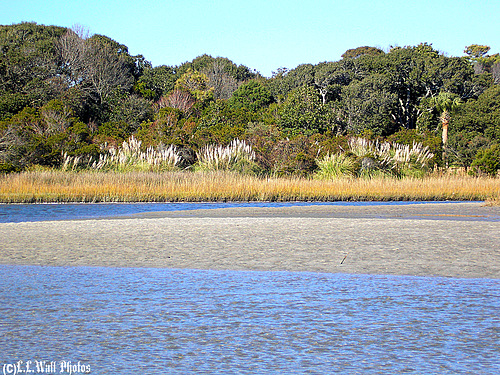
{"x": 418, "y": 73}
{"x": 285, "y": 81}
{"x": 195, "y": 83}
{"x": 446, "y": 103}
{"x": 157, "y": 82}
{"x": 355, "y": 53}
{"x": 253, "y": 96}
{"x": 29, "y": 66}
{"x": 303, "y": 113}
{"x": 368, "y": 105}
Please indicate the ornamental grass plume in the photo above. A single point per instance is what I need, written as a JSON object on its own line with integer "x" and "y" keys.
{"x": 219, "y": 158}
{"x": 372, "y": 158}
{"x": 129, "y": 157}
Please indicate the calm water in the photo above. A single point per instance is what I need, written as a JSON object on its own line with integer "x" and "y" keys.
{"x": 158, "y": 321}
{"x": 14, "y": 213}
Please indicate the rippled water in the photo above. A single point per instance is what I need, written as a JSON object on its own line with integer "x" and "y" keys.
{"x": 13, "y": 213}
{"x": 158, "y": 321}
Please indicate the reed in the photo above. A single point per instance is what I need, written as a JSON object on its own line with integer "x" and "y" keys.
{"x": 174, "y": 186}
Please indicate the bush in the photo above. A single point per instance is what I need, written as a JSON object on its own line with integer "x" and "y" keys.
{"x": 367, "y": 158}
{"x": 487, "y": 161}
{"x": 335, "y": 165}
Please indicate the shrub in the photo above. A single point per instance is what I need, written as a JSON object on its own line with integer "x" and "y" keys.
{"x": 487, "y": 161}
{"x": 373, "y": 158}
{"x": 237, "y": 156}
{"x": 335, "y": 166}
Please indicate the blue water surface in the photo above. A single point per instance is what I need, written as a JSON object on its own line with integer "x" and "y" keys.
{"x": 161, "y": 321}
{"x": 15, "y": 213}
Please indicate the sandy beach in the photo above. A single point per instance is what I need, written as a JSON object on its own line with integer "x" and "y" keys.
{"x": 449, "y": 239}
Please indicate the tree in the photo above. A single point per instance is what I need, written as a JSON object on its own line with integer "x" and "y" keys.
{"x": 446, "y": 103}
{"x": 484, "y": 63}
{"x": 98, "y": 64}
{"x": 157, "y": 82}
{"x": 29, "y": 66}
{"x": 367, "y": 105}
{"x": 330, "y": 77}
{"x": 476, "y": 51}
{"x": 195, "y": 83}
{"x": 285, "y": 81}
{"x": 481, "y": 115}
{"x": 253, "y": 96}
{"x": 418, "y": 73}
{"x": 220, "y": 80}
{"x": 303, "y": 113}
{"x": 354, "y": 53}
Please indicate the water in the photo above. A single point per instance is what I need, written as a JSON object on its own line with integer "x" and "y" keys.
{"x": 14, "y": 213}
{"x": 159, "y": 321}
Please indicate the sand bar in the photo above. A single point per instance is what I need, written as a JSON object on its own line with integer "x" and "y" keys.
{"x": 451, "y": 240}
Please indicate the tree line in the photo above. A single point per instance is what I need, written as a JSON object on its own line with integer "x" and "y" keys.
{"x": 63, "y": 91}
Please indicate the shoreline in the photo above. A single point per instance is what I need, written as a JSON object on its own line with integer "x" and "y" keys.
{"x": 442, "y": 239}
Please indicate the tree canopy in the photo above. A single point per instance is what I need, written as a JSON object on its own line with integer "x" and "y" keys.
{"x": 62, "y": 90}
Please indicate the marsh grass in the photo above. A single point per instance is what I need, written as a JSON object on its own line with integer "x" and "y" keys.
{"x": 88, "y": 186}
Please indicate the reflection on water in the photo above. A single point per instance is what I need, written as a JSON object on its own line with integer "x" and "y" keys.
{"x": 149, "y": 321}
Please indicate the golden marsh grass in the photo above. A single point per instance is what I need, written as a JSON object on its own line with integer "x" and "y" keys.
{"x": 59, "y": 186}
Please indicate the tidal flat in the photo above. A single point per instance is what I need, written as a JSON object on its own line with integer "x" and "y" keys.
{"x": 431, "y": 239}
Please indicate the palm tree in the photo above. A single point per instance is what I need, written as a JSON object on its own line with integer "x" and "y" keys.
{"x": 446, "y": 103}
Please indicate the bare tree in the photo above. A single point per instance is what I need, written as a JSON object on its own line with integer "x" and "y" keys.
{"x": 94, "y": 64}
{"x": 223, "y": 83}
{"x": 178, "y": 99}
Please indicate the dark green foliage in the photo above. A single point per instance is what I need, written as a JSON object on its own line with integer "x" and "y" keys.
{"x": 463, "y": 147}
{"x": 303, "y": 113}
{"x": 488, "y": 160}
{"x": 252, "y": 96}
{"x": 480, "y": 115}
{"x": 355, "y": 53}
{"x": 113, "y": 131}
{"x": 156, "y": 82}
{"x": 367, "y": 105}
{"x": 64, "y": 92}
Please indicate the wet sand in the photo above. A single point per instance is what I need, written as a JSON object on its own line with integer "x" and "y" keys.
{"x": 450, "y": 240}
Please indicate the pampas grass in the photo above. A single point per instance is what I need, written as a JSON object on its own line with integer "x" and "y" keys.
{"x": 335, "y": 166}
{"x": 88, "y": 186}
{"x": 128, "y": 157}
{"x": 220, "y": 158}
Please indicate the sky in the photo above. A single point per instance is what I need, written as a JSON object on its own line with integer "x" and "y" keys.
{"x": 266, "y": 35}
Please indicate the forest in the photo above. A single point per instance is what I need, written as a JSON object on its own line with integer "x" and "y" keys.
{"x": 76, "y": 101}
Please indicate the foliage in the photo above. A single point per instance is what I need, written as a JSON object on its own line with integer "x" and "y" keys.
{"x": 252, "y": 96}
{"x": 68, "y": 92}
{"x": 336, "y": 165}
{"x": 487, "y": 160}
{"x": 303, "y": 113}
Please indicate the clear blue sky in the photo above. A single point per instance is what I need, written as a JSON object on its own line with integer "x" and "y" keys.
{"x": 268, "y": 34}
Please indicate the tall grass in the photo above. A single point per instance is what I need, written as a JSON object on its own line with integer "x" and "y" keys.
{"x": 231, "y": 157}
{"x": 88, "y": 186}
{"x": 372, "y": 158}
{"x": 128, "y": 157}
